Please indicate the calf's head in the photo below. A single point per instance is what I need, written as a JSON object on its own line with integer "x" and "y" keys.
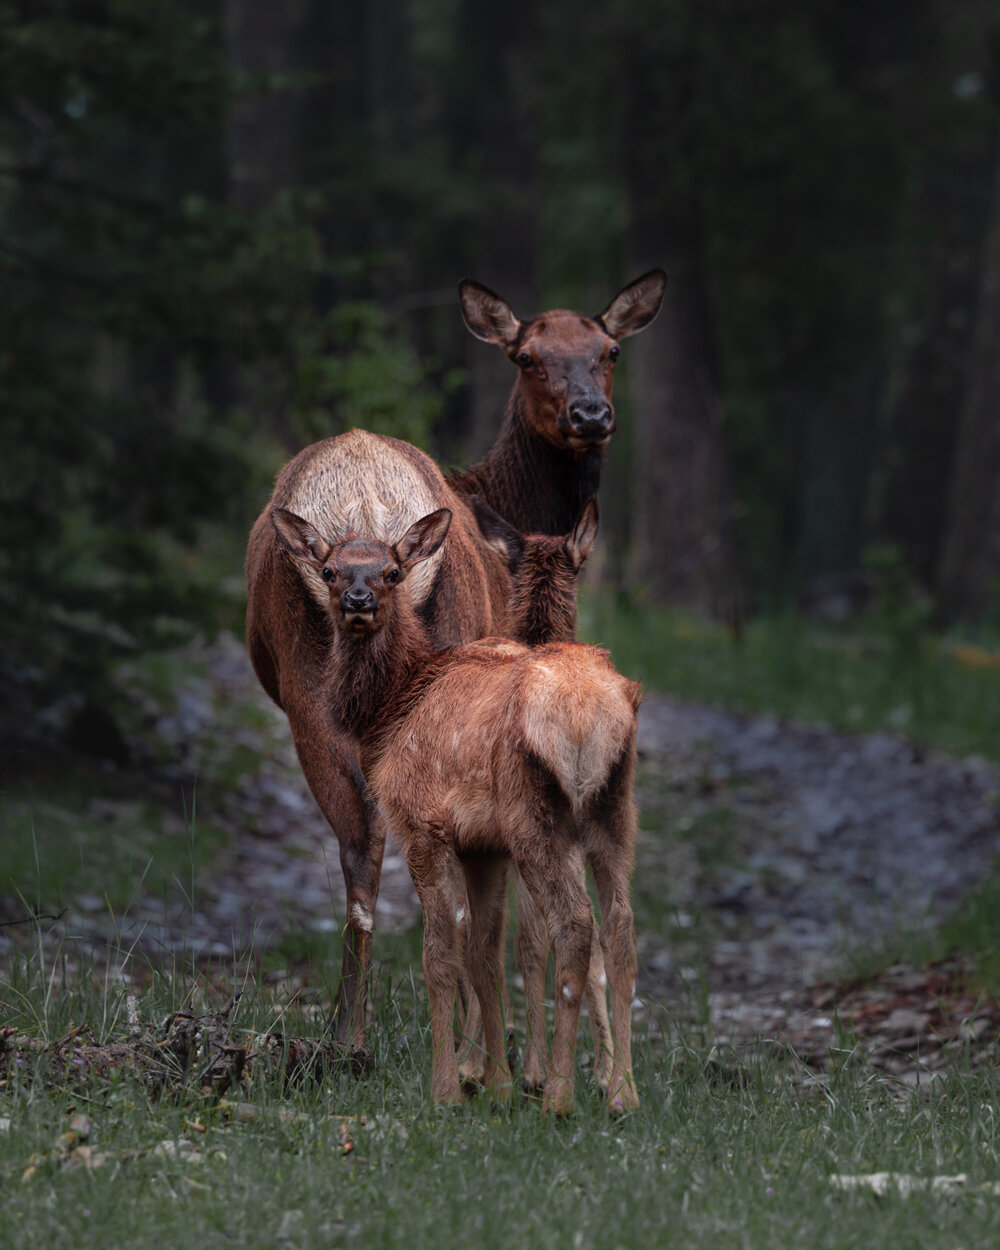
{"x": 544, "y": 572}
{"x": 361, "y": 574}
{"x": 566, "y": 360}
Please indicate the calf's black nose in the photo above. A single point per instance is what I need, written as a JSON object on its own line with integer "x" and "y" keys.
{"x": 357, "y": 599}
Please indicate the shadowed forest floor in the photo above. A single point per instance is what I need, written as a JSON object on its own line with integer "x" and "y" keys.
{"x": 775, "y": 862}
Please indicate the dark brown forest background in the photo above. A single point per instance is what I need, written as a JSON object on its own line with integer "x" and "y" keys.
{"x": 228, "y": 227}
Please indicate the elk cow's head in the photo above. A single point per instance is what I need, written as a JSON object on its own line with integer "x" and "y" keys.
{"x": 566, "y": 360}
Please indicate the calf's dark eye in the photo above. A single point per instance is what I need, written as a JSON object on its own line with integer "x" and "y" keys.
{"x": 327, "y": 574}
{"x": 614, "y": 353}
{"x": 392, "y": 576}
{"x": 524, "y": 359}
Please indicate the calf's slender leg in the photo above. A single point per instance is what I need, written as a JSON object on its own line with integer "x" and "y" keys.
{"x": 486, "y": 881}
{"x": 611, "y": 843}
{"x": 564, "y": 903}
{"x": 431, "y": 864}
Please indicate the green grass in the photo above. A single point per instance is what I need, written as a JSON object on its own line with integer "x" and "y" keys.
{"x": 718, "y": 1155}
{"x": 742, "y": 1161}
{"x": 929, "y": 688}
{"x": 72, "y": 835}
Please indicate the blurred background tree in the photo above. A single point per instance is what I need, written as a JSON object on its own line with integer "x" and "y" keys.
{"x": 228, "y": 228}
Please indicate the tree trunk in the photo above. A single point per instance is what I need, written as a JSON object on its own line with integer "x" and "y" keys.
{"x": 683, "y": 540}
{"x": 262, "y": 39}
{"x": 683, "y": 536}
{"x": 970, "y": 565}
{"x": 494, "y": 143}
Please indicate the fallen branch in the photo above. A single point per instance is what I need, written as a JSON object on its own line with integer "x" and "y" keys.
{"x": 185, "y": 1052}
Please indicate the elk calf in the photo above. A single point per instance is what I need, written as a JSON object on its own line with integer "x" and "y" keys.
{"x": 482, "y": 755}
{"x": 542, "y": 609}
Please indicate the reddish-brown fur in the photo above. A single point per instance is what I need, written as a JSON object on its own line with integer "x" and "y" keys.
{"x": 481, "y": 755}
{"x": 546, "y": 462}
{"x": 381, "y": 485}
{"x": 538, "y": 475}
{"x": 543, "y": 609}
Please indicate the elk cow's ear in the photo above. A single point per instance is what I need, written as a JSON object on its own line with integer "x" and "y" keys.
{"x": 634, "y": 307}
{"x": 422, "y": 539}
{"x": 486, "y": 315}
{"x": 498, "y": 533}
{"x": 579, "y": 543}
{"x": 300, "y": 537}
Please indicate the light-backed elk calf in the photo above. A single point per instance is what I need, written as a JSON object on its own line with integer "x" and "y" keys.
{"x": 542, "y": 609}
{"x": 482, "y": 755}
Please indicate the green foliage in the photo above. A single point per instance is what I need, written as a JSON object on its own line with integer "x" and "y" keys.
{"x": 77, "y": 840}
{"x": 900, "y": 613}
{"x": 128, "y": 286}
{"x": 364, "y": 373}
{"x": 896, "y": 677}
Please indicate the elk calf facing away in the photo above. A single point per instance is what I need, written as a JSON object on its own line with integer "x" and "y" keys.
{"x": 482, "y": 755}
{"x": 542, "y": 608}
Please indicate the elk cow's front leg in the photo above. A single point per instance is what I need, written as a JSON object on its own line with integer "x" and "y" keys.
{"x": 329, "y": 761}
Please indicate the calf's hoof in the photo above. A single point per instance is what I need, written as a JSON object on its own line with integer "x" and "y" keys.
{"x": 624, "y": 1097}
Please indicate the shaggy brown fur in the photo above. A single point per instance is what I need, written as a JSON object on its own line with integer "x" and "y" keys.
{"x": 543, "y": 609}
{"x": 374, "y": 487}
{"x": 481, "y": 755}
{"x": 545, "y": 464}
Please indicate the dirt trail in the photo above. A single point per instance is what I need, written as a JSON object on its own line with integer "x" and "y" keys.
{"x": 817, "y": 843}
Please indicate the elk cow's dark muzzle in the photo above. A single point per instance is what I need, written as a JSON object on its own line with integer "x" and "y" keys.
{"x": 592, "y": 417}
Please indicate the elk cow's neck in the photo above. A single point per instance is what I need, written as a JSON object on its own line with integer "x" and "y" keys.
{"x": 537, "y": 487}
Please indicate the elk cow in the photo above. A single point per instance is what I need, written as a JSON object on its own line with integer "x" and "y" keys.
{"x": 481, "y": 755}
{"x": 376, "y": 486}
{"x": 546, "y": 462}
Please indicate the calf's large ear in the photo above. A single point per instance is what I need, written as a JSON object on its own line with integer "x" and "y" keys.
{"x": 300, "y": 537}
{"x": 579, "y": 543}
{"x": 422, "y": 539}
{"x": 497, "y": 532}
{"x": 634, "y": 307}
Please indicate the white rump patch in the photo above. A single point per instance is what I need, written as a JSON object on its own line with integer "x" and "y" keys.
{"x": 577, "y": 716}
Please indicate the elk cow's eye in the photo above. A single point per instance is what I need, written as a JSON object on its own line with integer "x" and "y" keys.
{"x": 392, "y": 577}
{"x": 327, "y": 574}
{"x": 614, "y": 353}
{"x": 524, "y": 359}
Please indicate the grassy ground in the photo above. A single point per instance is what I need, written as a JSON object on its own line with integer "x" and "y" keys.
{"x": 737, "y": 1154}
